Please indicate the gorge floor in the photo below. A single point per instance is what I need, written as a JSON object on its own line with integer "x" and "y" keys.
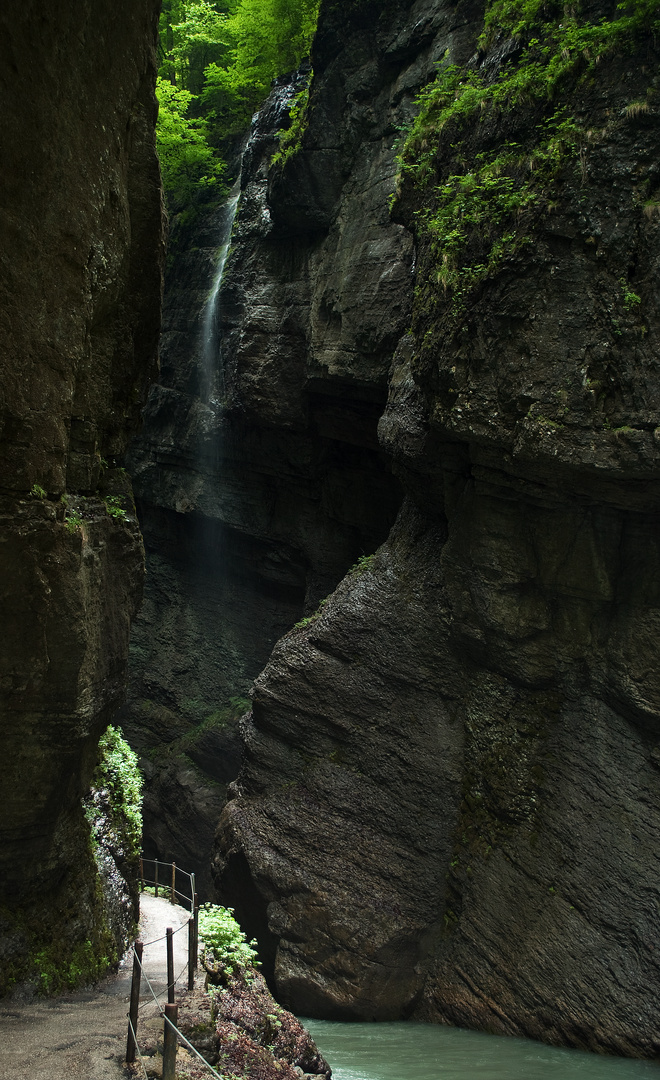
{"x": 82, "y": 1036}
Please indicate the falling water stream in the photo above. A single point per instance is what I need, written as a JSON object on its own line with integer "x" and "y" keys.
{"x": 211, "y": 374}
{"x": 410, "y": 1051}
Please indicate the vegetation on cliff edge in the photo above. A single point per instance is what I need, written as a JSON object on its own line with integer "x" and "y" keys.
{"x": 114, "y": 805}
{"x": 218, "y": 60}
{"x": 479, "y": 195}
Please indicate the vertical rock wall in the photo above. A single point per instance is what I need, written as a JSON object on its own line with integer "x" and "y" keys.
{"x": 449, "y": 800}
{"x": 81, "y": 237}
{"x": 255, "y": 507}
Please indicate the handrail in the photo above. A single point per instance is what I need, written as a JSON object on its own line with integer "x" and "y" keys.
{"x": 168, "y": 1022}
{"x": 171, "y": 887}
{"x": 138, "y": 971}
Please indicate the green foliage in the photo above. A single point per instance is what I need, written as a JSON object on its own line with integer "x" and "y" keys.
{"x": 114, "y": 507}
{"x": 83, "y": 965}
{"x": 37, "y": 492}
{"x": 73, "y": 519}
{"x": 189, "y": 166}
{"x": 363, "y": 563}
{"x": 192, "y": 35}
{"x": 290, "y": 138}
{"x": 48, "y": 953}
{"x": 310, "y": 618}
{"x": 206, "y": 715}
{"x": 269, "y": 38}
{"x": 118, "y": 782}
{"x": 213, "y": 720}
{"x": 221, "y": 935}
{"x": 630, "y": 298}
{"x": 206, "y": 718}
{"x": 480, "y": 213}
{"x": 218, "y": 60}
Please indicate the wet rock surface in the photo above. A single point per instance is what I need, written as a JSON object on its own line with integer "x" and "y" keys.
{"x": 239, "y": 1028}
{"x": 449, "y": 802}
{"x": 81, "y": 237}
{"x": 255, "y": 502}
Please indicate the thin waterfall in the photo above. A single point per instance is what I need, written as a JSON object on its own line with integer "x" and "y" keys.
{"x": 211, "y": 373}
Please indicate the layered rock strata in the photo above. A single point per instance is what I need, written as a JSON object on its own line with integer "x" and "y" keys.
{"x": 81, "y": 236}
{"x": 449, "y": 801}
{"x": 256, "y": 500}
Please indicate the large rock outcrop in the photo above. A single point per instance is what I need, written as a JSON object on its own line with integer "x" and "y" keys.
{"x": 449, "y": 805}
{"x": 256, "y": 499}
{"x": 81, "y": 235}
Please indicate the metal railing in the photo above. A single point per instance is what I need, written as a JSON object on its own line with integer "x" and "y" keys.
{"x": 165, "y": 878}
{"x": 172, "y": 1036}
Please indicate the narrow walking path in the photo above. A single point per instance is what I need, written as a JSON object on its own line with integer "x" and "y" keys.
{"x": 82, "y": 1036}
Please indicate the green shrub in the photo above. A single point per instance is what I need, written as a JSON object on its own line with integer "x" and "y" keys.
{"x": 221, "y": 935}
{"x": 114, "y": 507}
{"x": 117, "y": 790}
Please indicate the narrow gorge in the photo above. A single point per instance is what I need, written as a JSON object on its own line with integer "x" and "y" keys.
{"x": 394, "y": 680}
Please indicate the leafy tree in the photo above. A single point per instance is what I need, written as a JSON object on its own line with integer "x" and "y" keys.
{"x": 192, "y": 36}
{"x": 270, "y": 37}
{"x": 218, "y": 59}
{"x": 188, "y": 164}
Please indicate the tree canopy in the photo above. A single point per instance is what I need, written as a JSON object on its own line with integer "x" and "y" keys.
{"x": 217, "y": 61}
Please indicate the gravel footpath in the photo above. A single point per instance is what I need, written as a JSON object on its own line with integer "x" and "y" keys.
{"x": 82, "y": 1036}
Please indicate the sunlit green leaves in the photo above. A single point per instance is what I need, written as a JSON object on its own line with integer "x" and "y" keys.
{"x": 220, "y": 934}
{"x": 117, "y": 791}
{"x": 198, "y": 37}
{"x": 218, "y": 60}
{"x": 187, "y": 162}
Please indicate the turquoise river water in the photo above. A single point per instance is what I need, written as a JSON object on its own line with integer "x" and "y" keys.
{"x": 408, "y": 1051}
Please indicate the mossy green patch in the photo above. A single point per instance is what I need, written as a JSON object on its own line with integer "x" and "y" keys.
{"x": 206, "y": 718}
{"x": 115, "y": 802}
{"x": 72, "y": 946}
{"x": 478, "y": 194}
{"x": 290, "y": 139}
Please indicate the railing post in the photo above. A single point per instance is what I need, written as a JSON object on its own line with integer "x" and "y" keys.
{"x": 169, "y": 1042}
{"x": 191, "y": 953}
{"x": 173, "y": 883}
{"x": 170, "y": 965}
{"x": 155, "y": 877}
{"x": 192, "y": 893}
{"x": 196, "y": 920}
{"x": 135, "y": 1001}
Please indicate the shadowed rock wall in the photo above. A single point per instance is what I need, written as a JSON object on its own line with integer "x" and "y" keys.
{"x": 255, "y": 504}
{"x": 81, "y": 236}
{"x": 449, "y": 800}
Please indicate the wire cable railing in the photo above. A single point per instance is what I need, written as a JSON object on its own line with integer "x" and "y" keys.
{"x": 172, "y": 1036}
{"x": 165, "y": 878}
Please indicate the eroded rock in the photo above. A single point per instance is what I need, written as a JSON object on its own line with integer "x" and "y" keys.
{"x": 81, "y": 233}
{"x": 448, "y": 805}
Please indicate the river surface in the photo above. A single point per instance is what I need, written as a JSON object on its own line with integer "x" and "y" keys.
{"x": 409, "y": 1051}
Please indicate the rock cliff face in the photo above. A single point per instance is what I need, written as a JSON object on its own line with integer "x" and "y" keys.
{"x": 81, "y": 241}
{"x": 449, "y": 804}
{"x": 255, "y": 502}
